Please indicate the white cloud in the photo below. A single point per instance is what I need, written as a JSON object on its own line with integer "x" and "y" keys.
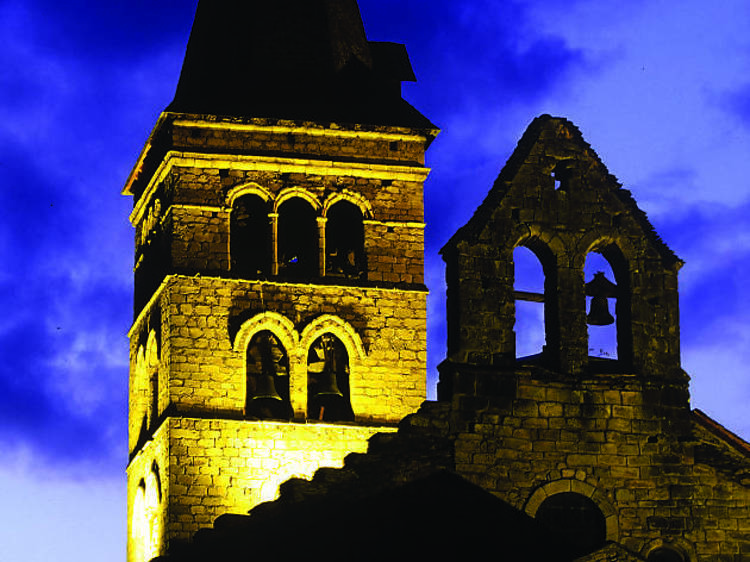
{"x": 720, "y": 383}
{"x": 45, "y": 518}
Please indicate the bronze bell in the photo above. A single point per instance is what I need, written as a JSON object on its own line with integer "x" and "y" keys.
{"x": 265, "y": 388}
{"x": 600, "y": 288}
{"x": 324, "y": 367}
{"x": 327, "y": 385}
{"x": 599, "y": 313}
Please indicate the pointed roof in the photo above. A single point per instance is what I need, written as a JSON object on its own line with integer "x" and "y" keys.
{"x": 292, "y": 59}
{"x": 540, "y": 137}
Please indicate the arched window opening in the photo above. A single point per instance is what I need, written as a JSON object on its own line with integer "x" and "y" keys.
{"x": 607, "y": 306}
{"x": 345, "y": 241}
{"x": 267, "y": 369}
{"x": 141, "y": 389}
{"x": 528, "y": 288}
{"x": 298, "y": 240}
{"x": 152, "y": 368}
{"x": 576, "y": 520}
{"x": 250, "y": 237}
{"x": 139, "y": 525}
{"x": 665, "y": 554}
{"x": 328, "y": 380}
{"x": 151, "y": 521}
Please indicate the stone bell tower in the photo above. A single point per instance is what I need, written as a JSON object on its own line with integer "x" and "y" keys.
{"x": 556, "y": 199}
{"x": 279, "y": 292}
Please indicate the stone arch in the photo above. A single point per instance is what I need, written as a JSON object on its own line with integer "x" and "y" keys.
{"x": 595, "y": 240}
{"x": 583, "y": 488}
{"x": 339, "y": 328}
{"x": 250, "y": 231}
{"x": 617, "y": 253}
{"x": 292, "y": 192}
{"x": 547, "y": 249}
{"x": 151, "y": 355}
{"x": 283, "y": 329}
{"x": 248, "y": 189}
{"x": 154, "y": 481}
{"x": 278, "y": 324}
{"x": 151, "y": 380}
{"x": 344, "y": 239}
{"x": 138, "y": 523}
{"x": 677, "y": 545}
{"x": 553, "y": 243}
{"x": 298, "y": 235}
{"x": 353, "y": 198}
{"x": 334, "y": 355}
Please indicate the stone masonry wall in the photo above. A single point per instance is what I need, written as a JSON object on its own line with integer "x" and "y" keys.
{"x": 152, "y": 519}
{"x": 555, "y": 197}
{"x": 192, "y": 231}
{"x": 224, "y": 466}
{"x": 629, "y": 446}
{"x": 310, "y": 139}
{"x": 202, "y": 315}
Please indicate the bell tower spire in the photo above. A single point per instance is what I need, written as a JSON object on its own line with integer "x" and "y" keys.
{"x": 280, "y": 306}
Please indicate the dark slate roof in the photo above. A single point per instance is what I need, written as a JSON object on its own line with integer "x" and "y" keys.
{"x": 431, "y": 517}
{"x": 718, "y": 430}
{"x": 536, "y": 132}
{"x": 292, "y": 59}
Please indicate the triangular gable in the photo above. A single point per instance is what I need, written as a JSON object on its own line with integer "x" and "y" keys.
{"x": 549, "y": 143}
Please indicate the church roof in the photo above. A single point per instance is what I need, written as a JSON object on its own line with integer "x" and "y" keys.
{"x": 292, "y": 59}
{"x": 429, "y": 517}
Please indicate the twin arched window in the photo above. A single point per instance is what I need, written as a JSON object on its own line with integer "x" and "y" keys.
{"x": 289, "y": 244}
{"x": 268, "y": 379}
{"x": 607, "y": 302}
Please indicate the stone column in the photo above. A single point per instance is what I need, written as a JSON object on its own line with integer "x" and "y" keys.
{"x": 273, "y": 219}
{"x": 322, "y": 245}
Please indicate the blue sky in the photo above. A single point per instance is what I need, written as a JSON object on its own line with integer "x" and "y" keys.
{"x": 658, "y": 88}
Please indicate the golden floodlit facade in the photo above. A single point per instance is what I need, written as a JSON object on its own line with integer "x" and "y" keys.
{"x": 280, "y": 306}
{"x": 278, "y": 348}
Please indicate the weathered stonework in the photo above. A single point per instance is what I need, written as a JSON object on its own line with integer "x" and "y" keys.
{"x": 279, "y": 335}
{"x": 301, "y": 233}
{"x": 605, "y": 452}
{"x": 207, "y": 467}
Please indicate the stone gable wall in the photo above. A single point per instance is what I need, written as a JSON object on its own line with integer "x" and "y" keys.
{"x": 629, "y": 445}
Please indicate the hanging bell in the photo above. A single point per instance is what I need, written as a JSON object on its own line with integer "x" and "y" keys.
{"x": 265, "y": 388}
{"x": 327, "y": 385}
{"x": 599, "y": 312}
{"x": 600, "y": 288}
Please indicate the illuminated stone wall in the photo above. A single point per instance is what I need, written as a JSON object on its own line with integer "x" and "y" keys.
{"x": 148, "y": 490}
{"x": 197, "y": 311}
{"x": 224, "y": 466}
{"x": 207, "y": 467}
{"x": 202, "y": 335}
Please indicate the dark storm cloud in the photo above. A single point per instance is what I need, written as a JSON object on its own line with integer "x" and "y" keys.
{"x": 63, "y": 401}
{"x": 73, "y": 97}
{"x": 476, "y": 64}
{"x": 477, "y": 52}
{"x": 103, "y": 31}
